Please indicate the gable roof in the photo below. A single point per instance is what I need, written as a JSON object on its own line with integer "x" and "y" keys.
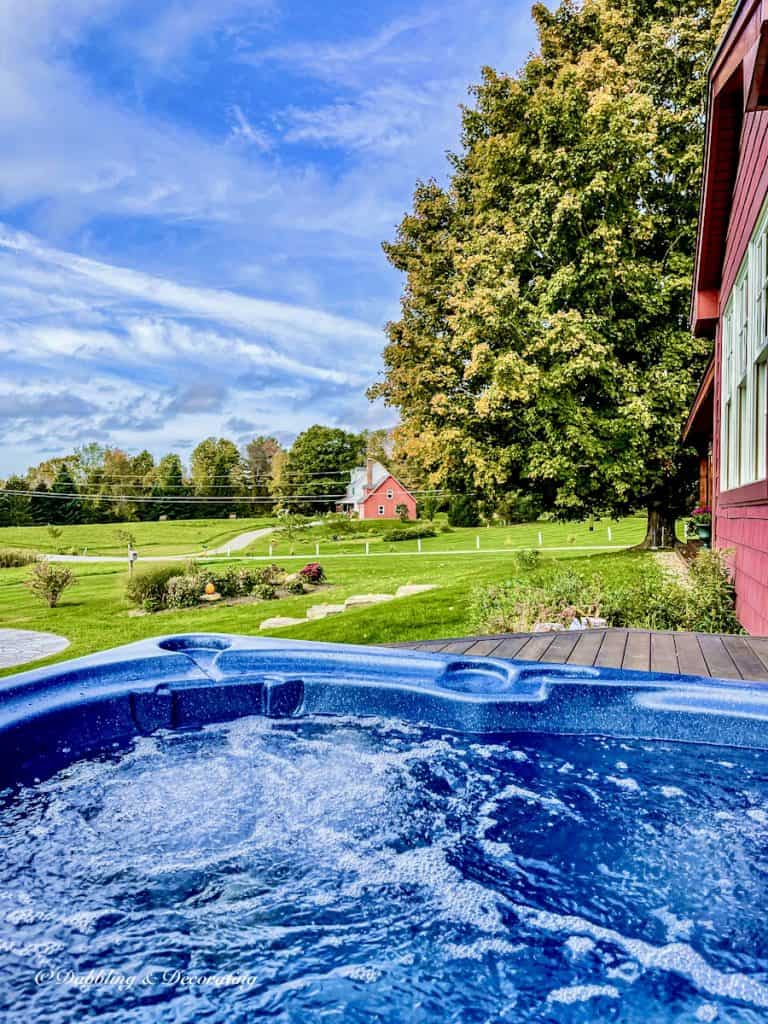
{"x": 357, "y": 488}
{"x": 358, "y": 478}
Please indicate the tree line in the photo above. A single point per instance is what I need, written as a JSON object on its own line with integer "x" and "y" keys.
{"x": 96, "y": 484}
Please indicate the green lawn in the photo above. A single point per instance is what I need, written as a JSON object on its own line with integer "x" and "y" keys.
{"x": 623, "y": 533}
{"x": 174, "y": 537}
{"x": 94, "y": 614}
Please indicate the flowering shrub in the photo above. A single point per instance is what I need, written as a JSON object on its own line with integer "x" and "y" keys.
{"x": 183, "y": 591}
{"x": 313, "y": 573}
{"x": 174, "y": 586}
{"x": 701, "y": 516}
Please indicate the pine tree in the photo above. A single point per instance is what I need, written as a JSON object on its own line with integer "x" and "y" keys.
{"x": 67, "y": 510}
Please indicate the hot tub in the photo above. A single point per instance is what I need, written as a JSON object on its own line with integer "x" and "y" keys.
{"x": 221, "y": 828}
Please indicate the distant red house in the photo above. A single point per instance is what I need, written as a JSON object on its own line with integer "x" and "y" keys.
{"x": 729, "y": 419}
{"x": 373, "y": 493}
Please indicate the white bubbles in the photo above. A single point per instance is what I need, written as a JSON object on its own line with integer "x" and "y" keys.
{"x": 582, "y": 994}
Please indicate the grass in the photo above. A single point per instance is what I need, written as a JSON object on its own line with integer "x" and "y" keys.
{"x": 623, "y": 533}
{"x": 93, "y": 615}
{"x": 174, "y": 537}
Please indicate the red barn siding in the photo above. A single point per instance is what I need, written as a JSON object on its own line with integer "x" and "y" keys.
{"x": 748, "y": 196}
{"x": 735, "y": 186}
{"x": 741, "y": 515}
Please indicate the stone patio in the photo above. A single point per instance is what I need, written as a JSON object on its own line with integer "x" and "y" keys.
{"x": 21, "y": 646}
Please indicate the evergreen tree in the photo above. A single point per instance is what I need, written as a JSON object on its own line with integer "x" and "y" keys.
{"x": 42, "y": 508}
{"x": 543, "y": 345}
{"x": 67, "y": 510}
{"x": 14, "y": 505}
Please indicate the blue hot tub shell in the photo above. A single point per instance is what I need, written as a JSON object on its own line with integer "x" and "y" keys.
{"x": 52, "y": 716}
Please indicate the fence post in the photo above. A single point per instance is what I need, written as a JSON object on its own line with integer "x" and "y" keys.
{"x": 477, "y": 542}
{"x": 540, "y": 539}
{"x": 270, "y": 550}
{"x": 610, "y": 534}
{"x": 317, "y": 550}
{"x": 418, "y": 542}
{"x": 367, "y": 547}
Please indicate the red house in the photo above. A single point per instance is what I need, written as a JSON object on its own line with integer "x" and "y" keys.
{"x": 728, "y": 422}
{"x": 373, "y": 493}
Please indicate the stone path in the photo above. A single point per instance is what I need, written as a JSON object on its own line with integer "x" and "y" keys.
{"x": 20, "y": 646}
{"x": 674, "y": 565}
{"x": 322, "y": 611}
{"x": 236, "y": 544}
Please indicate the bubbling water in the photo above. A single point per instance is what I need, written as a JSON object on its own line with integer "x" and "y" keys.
{"x": 364, "y": 870}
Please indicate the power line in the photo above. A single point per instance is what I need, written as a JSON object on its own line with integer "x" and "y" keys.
{"x": 192, "y": 498}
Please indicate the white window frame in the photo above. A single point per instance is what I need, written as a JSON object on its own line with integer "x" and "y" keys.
{"x": 744, "y": 368}
{"x": 390, "y": 494}
{"x": 381, "y": 510}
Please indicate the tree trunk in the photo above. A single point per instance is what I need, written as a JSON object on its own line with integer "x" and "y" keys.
{"x": 660, "y": 531}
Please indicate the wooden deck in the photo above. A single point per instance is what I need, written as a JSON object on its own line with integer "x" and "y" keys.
{"x": 699, "y": 654}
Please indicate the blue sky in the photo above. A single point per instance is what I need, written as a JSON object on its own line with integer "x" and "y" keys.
{"x": 192, "y": 200}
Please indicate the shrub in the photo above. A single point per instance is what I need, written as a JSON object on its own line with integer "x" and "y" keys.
{"x": 313, "y": 573}
{"x": 428, "y": 506}
{"x": 266, "y": 592}
{"x": 503, "y": 608}
{"x": 412, "y": 533}
{"x": 463, "y": 511}
{"x": 711, "y": 601}
{"x": 445, "y": 528}
{"x": 649, "y": 601}
{"x": 295, "y": 587}
{"x": 184, "y": 591}
{"x": 48, "y": 581}
{"x": 10, "y": 559}
{"x": 270, "y": 574}
{"x": 527, "y": 560}
{"x": 147, "y": 588}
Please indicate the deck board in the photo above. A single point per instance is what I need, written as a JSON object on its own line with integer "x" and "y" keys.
{"x": 696, "y": 654}
{"x": 536, "y": 647}
{"x": 719, "y": 662}
{"x": 638, "y": 652}
{"x": 611, "y": 654}
{"x": 588, "y": 643}
{"x": 690, "y": 660}
{"x": 663, "y": 653}
{"x": 561, "y": 647}
{"x": 745, "y": 659}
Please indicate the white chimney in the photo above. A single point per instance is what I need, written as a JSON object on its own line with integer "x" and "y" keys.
{"x": 369, "y": 474}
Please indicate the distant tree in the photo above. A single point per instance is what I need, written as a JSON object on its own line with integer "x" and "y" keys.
{"x": 15, "y": 507}
{"x": 428, "y": 506}
{"x": 169, "y": 484}
{"x": 42, "y": 508}
{"x": 462, "y": 511}
{"x": 67, "y": 509}
{"x": 318, "y": 466}
{"x": 260, "y": 453}
{"x": 213, "y": 462}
